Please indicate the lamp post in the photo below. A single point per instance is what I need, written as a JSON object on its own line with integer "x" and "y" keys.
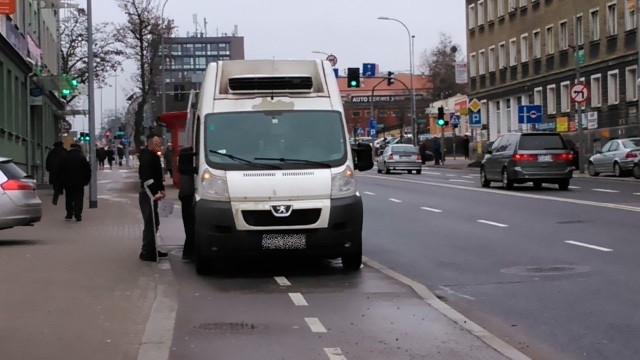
{"x": 163, "y": 51}
{"x": 93, "y": 185}
{"x": 413, "y": 92}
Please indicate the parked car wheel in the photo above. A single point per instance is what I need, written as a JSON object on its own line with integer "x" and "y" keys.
{"x": 537, "y": 185}
{"x": 506, "y": 182}
{"x": 563, "y": 185}
{"x": 409, "y": 171}
{"x": 419, "y": 171}
{"x": 387, "y": 170}
{"x": 636, "y": 171}
{"x": 379, "y": 171}
{"x": 483, "y": 179}
{"x": 592, "y": 170}
{"x": 617, "y": 170}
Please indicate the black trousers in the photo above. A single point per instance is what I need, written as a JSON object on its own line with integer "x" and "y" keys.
{"x": 148, "y": 213}
{"x": 58, "y": 189}
{"x": 188, "y": 220}
{"x": 74, "y": 197}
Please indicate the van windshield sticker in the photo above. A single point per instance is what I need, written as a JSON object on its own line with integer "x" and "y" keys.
{"x": 212, "y": 127}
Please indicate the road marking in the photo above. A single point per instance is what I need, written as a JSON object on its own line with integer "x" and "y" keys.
{"x": 449, "y": 291}
{"x": 334, "y": 354}
{"x": 606, "y": 190}
{"x": 282, "y": 281}
{"x": 315, "y": 325}
{"x": 369, "y": 193}
{"x": 298, "y": 299}
{"x": 468, "y": 177}
{"x": 588, "y": 245}
{"x": 462, "y": 181}
{"x": 431, "y": 173}
{"x": 636, "y": 193}
{"x": 574, "y": 187}
{"x": 451, "y": 175}
{"x": 511, "y": 193}
{"x": 492, "y": 223}
{"x": 395, "y": 200}
{"x": 430, "y": 209}
{"x": 104, "y": 181}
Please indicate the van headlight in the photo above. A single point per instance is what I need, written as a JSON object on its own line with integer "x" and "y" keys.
{"x": 214, "y": 187}
{"x": 343, "y": 184}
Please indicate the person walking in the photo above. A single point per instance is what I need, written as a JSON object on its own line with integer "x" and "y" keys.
{"x": 53, "y": 162}
{"x": 150, "y": 168}
{"x": 422, "y": 148}
{"x": 76, "y": 173}
{"x": 437, "y": 150}
{"x": 465, "y": 146}
{"x": 101, "y": 155}
{"x": 168, "y": 159}
{"x": 120, "y": 153}
{"x": 186, "y": 194}
{"x": 110, "y": 157}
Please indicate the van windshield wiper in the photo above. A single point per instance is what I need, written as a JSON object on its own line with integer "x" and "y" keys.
{"x": 244, "y": 161}
{"x": 296, "y": 160}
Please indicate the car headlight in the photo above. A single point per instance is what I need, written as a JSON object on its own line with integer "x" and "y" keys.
{"x": 214, "y": 187}
{"x": 343, "y": 184}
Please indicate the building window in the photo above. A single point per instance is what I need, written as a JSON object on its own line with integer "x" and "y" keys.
{"x": 596, "y": 90}
{"x": 492, "y": 59}
{"x": 502, "y": 55}
{"x": 563, "y": 36}
{"x": 500, "y": 8}
{"x": 632, "y": 86}
{"x": 565, "y": 102}
{"x": 480, "y": 12}
{"x": 537, "y": 96}
{"x": 482, "y": 69}
{"x": 579, "y": 30}
{"x": 537, "y": 46}
{"x": 524, "y": 48}
{"x": 473, "y": 65}
{"x": 594, "y": 25}
{"x": 200, "y": 49}
{"x": 551, "y": 99}
{"x": 512, "y": 6}
{"x": 548, "y": 40}
{"x": 613, "y": 87}
{"x": 630, "y": 17}
{"x": 612, "y": 19}
{"x": 513, "y": 52}
{"x": 472, "y": 16}
{"x": 355, "y": 114}
{"x": 523, "y": 3}
{"x": 491, "y": 14}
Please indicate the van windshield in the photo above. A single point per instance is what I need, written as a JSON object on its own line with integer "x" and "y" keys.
{"x": 316, "y": 136}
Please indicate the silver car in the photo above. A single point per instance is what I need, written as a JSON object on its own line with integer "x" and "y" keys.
{"x": 617, "y": 156}
{"x": 19, "y": 204}
{"x": 400, "y": 157}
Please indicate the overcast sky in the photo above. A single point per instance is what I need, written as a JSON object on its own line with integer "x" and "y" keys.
{"x": 292, "y": 29}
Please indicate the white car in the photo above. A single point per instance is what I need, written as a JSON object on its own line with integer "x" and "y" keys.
{"x": 19, "y": 204}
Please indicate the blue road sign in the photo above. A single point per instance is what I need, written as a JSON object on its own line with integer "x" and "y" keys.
{"x": 359, "y": 131}
{"x": 373, "y": 132}
{"x": 336, "y": 72}
{"x": 529, "y": 114}
{"x": 475, "y": 119}
{"x": 368, "y": 69}
{"x": 125, "y": 140}
{"x": 372, "y": 124}
{"x": 455, "y": 119}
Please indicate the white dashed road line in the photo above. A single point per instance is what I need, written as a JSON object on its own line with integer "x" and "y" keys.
{"x": 369, "y": 193}
{"x": 430, "y": 209}
{"x": 468, "y": 177}
{"x": 395, "y": 200}
{"x": 315, "y": 325}
{"x": 334, "y": 354}
{"x": 462, "y": 181}
{"x": 431, "y": 173}
{"x": 606, "y": 190}
{"x": 588, "y": 245}
{"x": 298, "y": 299}
{"x": 492, "y": 223}
{"x": 574, "y": 187}
{"x": 636, "y": 193}
{"x": 282, "y": 281}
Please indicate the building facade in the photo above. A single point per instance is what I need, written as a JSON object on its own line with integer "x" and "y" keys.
{"x": 524, "y": 52}
{"x": 31, "y": 113}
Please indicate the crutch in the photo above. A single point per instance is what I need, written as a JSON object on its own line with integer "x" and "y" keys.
{"x": 153, "y": 215}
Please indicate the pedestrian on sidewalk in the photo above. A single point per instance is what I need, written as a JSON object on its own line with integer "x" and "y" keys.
{"x": 168, "y": 160}
{"x": 465, "y": 146}
{"x": 422, "y": 148}
{"x": 101, "y": 155}
{"x": 186, "y": 194}
{"x": 437, "y": 150}
{"x": 76, "y": 173}
{"x": 110, "y": 157}
{"x": 150, "y": 168}
{"x": 53, "y": 163}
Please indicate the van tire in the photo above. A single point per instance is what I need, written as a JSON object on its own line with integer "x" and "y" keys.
{"x": 203, "y": 262}
{"x": 563, "y": 185}
{"x": 352, "y": 261}
{"x": 418, "y": 172}
{"x": 506, "y": 182}
{"x": 484, "y": 182}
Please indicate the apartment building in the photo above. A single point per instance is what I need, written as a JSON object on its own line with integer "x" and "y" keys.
{"x": 527, "y": 52}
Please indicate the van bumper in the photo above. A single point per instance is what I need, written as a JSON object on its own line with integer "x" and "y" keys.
{"x": 216, "y": 232}
{"x": 523, "y": 175}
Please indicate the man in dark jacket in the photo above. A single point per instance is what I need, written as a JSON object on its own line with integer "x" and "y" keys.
{"x": 53, "y": 162}
{"x": 76, "y": 172}
{"x": 150, "y": 168}
{"x": 186, "y": 194}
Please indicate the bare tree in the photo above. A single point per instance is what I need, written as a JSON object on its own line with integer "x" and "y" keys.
{"x": 74, "y": 52}
{"x": 440, "y": 63}
{"x": 139, "y": 35}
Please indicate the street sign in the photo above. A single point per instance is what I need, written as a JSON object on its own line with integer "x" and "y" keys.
{"x": 580, "y": 57}
{"x": 359, "y": 131}
{"x": 421, "y": 121}
{"x": 475, "y": 120}
{"x": 373, "y": 133}
{"x": 455, "y": 119}
{"x": 529, "y": 114}
{"x": 579, "y": 93}
{"x": 336, "y": 72}
{"x": 332, "y": 59}
{"x": 372, "y": 124}
{"x": 474, "y": 105}
{"x": 368, "y": 69}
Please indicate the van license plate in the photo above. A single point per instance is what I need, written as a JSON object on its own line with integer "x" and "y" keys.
{"x": 544, "y": 157}
{"x": 284, "y": 241}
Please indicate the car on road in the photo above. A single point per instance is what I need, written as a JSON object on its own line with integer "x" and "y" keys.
{"x": 536, "y": 157}
{"x": 402, "y": 157}
{"x": 636, "y": 168}
{"x": 19, "y": 203}
{"x": 617, "y": 157}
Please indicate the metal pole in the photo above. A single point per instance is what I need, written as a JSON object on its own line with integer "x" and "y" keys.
{"x": 414, "y": 129}
{"x": 164, "y": 65}
{"x": 638, "y": 68}
{"x": 581, "y": 139}
{"x": 115, "y": 106}
{"x": 93, "y": 185}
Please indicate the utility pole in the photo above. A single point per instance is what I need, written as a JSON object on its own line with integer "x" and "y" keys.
{"x": 637, "y": 13}
{"x": 93, "y": 185}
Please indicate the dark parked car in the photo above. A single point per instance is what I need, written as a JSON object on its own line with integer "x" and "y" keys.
{"x": 518, "y": 158}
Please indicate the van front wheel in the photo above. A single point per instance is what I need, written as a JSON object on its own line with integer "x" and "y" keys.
{"x": 352, "y": 261}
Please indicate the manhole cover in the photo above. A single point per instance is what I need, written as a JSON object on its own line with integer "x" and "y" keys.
{"x": 545, "y": 270}
{"x": 226, "y": 327}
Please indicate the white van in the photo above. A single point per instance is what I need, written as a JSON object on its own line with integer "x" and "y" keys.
{"x": 275, "y": 170}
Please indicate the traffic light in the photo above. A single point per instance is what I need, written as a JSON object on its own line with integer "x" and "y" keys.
{"x": 84, "y": 137}
{"x": 68, "y": 86}
{"x": 390, "y": 78}
{"x": 440, "y": 121}
{"x": 353, "y": 77}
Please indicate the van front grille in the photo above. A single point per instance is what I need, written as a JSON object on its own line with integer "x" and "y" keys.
{"x": 266, "y": 217}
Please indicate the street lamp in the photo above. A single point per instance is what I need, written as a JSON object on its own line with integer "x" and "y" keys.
{"x": 93, "y": 185}
{"x": 163, "y": 51}
{"x": 413, "y": 92}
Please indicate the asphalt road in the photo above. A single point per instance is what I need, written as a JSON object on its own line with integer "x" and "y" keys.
{"x": 551, "y": 272}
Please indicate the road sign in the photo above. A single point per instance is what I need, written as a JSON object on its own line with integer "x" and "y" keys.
{"x": 372, "y": 124}
{"x": 332, "y": 59}
{"x": 580, "y": 56}
{"x": 579, "y": 92}
{"x": 359, "y": 131}
{"x": 529, "y": 114}
{"x": 455, "y": 119}
{"x": 336, "y": 72}
{"x": 475, "y": 120}
{"x": 373, "y": 133}
{"x": 368, "y": 69}
{"x": 474, "y": 105}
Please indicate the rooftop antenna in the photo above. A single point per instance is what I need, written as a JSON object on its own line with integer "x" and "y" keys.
{"x": 235, "y": 30}
{"x": 195, "y": 22}
{"x": 205, "y": 27}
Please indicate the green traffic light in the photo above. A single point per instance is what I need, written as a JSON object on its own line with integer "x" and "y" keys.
{"x": 440, "y": 122}
{"x": 74, "y": 83}
{"x": 66, "y": 92}
{"x": 353, "y": 83}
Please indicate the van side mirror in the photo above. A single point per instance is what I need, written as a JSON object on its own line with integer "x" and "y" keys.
{"x": 363, "y": 156}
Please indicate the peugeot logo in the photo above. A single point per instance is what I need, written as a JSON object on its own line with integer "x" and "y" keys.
{"x": 281, "y": 210}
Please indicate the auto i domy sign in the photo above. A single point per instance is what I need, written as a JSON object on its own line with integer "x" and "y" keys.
{"x": 7, "y": 7}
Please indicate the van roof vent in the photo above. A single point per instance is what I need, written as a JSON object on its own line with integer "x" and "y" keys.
{"x": 265, "y": 83}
